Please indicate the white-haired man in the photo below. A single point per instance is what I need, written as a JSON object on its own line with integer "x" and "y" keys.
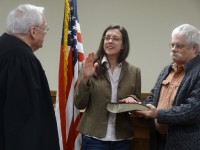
{"x": 175, "y": 99}
{"x": 27, "y": 119}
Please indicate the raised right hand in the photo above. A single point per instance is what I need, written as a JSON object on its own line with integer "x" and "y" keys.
{"x": 88, "y": 67}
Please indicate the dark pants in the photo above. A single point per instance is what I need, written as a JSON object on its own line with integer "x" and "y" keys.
{"x": 157, "y": 141}
{"x": 89, "y": 143}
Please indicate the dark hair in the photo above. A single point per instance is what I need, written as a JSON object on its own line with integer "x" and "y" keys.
{"x": 101, "y": 69}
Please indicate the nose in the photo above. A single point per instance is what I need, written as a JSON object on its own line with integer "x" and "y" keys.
{"x": 110, "y": 40}
{"x": 174, "y": 48}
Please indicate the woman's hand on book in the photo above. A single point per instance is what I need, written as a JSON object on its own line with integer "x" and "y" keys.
{"x": 128, "y": 100}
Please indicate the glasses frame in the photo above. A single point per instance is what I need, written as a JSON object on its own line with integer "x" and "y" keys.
{"x": 177, "y": 45}
{"x": 45, "y": 29}
{"x": 113, "y": 38}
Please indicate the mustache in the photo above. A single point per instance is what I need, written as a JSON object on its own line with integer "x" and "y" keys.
{"x": 175, "y": 54}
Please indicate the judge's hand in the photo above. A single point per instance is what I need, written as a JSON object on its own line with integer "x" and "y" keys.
{"x": 89, "y": 67}
{"x": 151, "y": 113}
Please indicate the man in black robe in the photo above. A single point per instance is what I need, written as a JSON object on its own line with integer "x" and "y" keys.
{"x": 27, "y": 118}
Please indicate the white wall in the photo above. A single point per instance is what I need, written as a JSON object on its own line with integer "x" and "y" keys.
{"x": 148, "y": 22}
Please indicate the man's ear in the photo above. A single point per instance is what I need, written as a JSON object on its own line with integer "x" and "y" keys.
{"x": 33, "y": 31}
{"x": 196, "y": 48}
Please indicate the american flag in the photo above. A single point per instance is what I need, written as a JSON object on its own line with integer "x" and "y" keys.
{"x": 71, "y": 53}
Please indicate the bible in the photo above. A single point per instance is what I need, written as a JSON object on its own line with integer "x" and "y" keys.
{"x": 124, "y": 107}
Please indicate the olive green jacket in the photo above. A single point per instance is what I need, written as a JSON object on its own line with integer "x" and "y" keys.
{"x": 94, "y": 97}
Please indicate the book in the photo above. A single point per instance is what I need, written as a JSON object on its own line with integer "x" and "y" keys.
{"x": 124, "y": 107}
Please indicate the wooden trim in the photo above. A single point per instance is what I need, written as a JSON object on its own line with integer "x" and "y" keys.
{"x": 144, "y": 96}
{"x": 53, "y": 95}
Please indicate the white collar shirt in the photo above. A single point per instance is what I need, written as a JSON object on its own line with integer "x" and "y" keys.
{"x": 114, "y": 79}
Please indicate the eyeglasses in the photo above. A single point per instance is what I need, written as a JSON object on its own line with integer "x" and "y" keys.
{"x": 45, "y": 28}
{"x": 177, "y": 45}
{"x": 113, "y": 38}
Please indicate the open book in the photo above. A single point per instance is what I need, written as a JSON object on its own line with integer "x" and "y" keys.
{"x": 124, "y": 107}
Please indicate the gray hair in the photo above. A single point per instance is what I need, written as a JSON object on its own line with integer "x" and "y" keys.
{"x": 189, "y": 32}
{"x": 23, "y": 17}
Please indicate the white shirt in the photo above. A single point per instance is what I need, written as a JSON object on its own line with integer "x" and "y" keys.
{"x": 114, "y": 79}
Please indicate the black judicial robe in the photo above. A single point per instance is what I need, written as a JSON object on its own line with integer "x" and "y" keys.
{"x": 27, "y": 118}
